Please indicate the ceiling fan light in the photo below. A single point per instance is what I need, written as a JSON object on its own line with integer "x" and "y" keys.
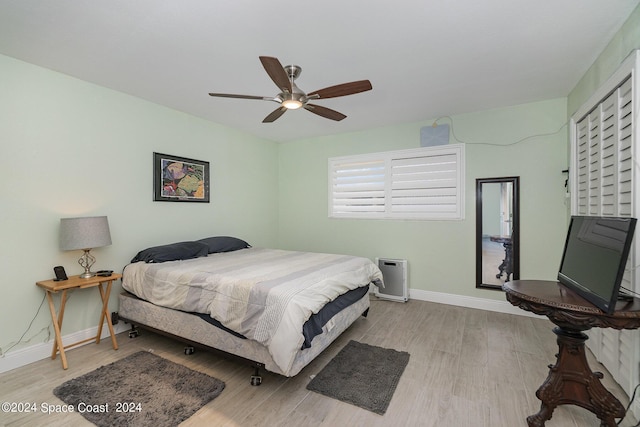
{"x": 291, "y": 104}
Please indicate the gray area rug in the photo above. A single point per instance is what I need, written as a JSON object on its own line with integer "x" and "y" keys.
{"x": 140, "y": 390}
{"x": 363, "y": 375}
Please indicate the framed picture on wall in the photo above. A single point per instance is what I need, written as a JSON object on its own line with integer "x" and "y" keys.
{"x": 179, "y": 179}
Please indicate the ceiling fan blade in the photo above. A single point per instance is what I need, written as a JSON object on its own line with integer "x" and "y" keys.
{"x": 275, "y": 114}
{"x": 276, "y": 71}
{"x": 231, "y": 95}
{"x": 342, "y": 89}
{"x": 325, "y": 112}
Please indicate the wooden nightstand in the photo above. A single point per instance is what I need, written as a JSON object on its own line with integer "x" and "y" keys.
{"x": 74, "y": 282}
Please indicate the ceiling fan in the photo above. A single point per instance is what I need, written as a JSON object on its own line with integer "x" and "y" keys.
{"x": 291, "y": 97}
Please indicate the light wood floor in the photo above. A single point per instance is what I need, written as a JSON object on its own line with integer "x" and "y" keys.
{"x": 467, "y": 368}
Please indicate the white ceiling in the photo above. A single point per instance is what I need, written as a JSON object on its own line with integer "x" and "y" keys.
{"x": 425, "y": 59}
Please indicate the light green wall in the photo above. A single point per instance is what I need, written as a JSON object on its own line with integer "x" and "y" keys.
{"x": 71, "y": 148}
{"x": 625, "y": 41}
{"x": 441, "y": 254}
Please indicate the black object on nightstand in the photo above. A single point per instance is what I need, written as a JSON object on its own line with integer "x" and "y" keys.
{"x": 104, "y": 273}
{"x": 60, "y": 273}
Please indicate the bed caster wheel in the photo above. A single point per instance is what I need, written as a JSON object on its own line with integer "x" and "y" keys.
{"x": 133, "y": 334}
{"x": 189, "y": 350}
{"x": 256, "y": 380}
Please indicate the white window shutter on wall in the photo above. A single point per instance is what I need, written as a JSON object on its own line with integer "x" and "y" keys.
{"x": 358, "y": 187}
{"x": 625, "y": 148}
{"x": 603, "y": 157}
{"x": 423, "y": 183}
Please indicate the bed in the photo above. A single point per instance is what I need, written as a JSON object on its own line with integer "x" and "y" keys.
{"x": 277, "y": 309}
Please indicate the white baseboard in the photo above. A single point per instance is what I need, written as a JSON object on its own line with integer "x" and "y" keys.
{"x": 24, "y": 356}
{"x": 470, "y": 302}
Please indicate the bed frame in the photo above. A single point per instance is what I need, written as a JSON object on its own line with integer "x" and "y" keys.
{"x": 197, "y": 332}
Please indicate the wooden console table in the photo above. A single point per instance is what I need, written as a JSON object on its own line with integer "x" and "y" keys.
{"x": 570, "y": 380}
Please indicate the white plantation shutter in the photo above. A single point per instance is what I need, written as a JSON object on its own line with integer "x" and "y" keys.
{"x": 603, "y": 184}
{"x": 594, "y": 164}
{"x": 582, "y": 164}
{"x": 603, "y": 157}
{"x": 625, "y": 148}
{"x": 358, "y": 187}
{"x": 424, "y": 183}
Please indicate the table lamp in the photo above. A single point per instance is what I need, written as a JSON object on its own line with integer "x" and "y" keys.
{"x": 84, "y": 233}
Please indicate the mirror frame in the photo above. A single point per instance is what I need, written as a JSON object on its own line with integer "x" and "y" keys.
{"x": 515, "y": 235}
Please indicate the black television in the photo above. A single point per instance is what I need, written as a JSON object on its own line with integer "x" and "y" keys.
{"x": 594, "y": 257}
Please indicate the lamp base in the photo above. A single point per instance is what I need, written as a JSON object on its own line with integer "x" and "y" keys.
{"x": 86, "y": 261}
{"x": 87, "y": 275}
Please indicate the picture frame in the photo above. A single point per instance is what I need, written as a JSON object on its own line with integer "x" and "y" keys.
{"x": 180, "y": 179}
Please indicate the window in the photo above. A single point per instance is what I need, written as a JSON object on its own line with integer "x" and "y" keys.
{"x": 423, "y": 183}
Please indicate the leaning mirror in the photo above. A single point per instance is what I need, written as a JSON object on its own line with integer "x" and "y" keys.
{"x": 497, "y": 231}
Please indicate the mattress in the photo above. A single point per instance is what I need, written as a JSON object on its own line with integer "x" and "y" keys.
{"x": 265, "y": 295}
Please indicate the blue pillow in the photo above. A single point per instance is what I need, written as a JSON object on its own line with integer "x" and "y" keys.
{"x": 172, "y": 252}
{"x": 224, "y": 244}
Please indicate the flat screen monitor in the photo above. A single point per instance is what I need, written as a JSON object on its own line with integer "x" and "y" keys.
{"x": 594, "y": 258}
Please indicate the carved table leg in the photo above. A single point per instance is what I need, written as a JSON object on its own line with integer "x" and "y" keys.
{"x": 572, "y": 382}
{"x": 508, "y": 250}
{"x": 507, "y": 263}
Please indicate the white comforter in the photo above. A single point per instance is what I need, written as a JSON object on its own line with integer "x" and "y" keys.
{"x": 264, "y": 294}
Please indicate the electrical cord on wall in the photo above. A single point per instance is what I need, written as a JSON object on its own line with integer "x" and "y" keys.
{"x": 453, "y": 134}
{"x": 4, "y": 352}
